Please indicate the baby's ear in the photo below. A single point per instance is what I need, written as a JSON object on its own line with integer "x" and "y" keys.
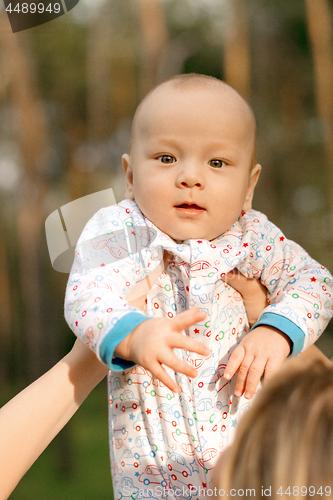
{"x": 254, "y": 176}
{"x": 126, "y": 162}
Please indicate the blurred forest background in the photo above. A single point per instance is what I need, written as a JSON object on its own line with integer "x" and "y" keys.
{"x": 68, "y": 91}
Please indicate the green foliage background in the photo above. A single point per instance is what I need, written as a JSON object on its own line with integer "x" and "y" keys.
{"x": 85, "y": 72}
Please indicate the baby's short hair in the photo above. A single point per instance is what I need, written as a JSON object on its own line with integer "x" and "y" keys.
{"x": 187, "y": 81}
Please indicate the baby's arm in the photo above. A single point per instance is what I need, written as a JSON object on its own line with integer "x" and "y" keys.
{"x": 263, "y": 349}
{"x": 98, "y": 311}
{"x": 249, "y": 357}
{"x": 108, "y": 264}
{"x": 152, "y": 342}
{"x": 299, "y": 288}
{"x": 299, "y": 295}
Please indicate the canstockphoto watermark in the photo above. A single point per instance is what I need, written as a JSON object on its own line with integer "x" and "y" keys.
{"x": 190, "y": 493}
{"x": 28, "y": 14}
{"x": 64, "y": 226}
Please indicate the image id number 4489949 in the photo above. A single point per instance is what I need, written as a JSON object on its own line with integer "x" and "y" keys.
{"x": 304, "y": 491}
{"x": 33, "y": 8}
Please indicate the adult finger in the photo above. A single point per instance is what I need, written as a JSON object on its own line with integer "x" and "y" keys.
{"x": 234, "y": 276}
{"x": 246, "y": 286}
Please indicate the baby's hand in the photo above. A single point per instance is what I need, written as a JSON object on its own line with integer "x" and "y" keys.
{"x": 262, "y": 350}
{"x": 151, "y": 344}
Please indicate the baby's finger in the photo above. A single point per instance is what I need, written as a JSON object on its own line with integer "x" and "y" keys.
{"x": 253, "y": 377}
{"x": 189, "y": 344}
{"x": 188, "y": 318}
{"x": 158, "y": 371}
{"x": 169, "y": 359}
{"x": 234, "y": 362}
{"x": 183, "y": 367}
{"x": 243, "y": 372}
{"x": 272, "y": 365}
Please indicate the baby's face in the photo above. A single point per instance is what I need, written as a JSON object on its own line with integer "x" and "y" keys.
{"x": 189, "y": 169}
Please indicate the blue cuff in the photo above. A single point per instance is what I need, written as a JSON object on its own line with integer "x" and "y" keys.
{"x": 122, "y": 328}
{"x": 286, "y": 326}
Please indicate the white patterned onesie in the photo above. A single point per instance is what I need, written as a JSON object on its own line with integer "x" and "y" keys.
{"x": 163, "y": 444}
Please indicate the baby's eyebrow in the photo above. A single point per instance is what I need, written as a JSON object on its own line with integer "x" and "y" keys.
{"x": 165, "y": 141}
{"x": 162, "y": 147}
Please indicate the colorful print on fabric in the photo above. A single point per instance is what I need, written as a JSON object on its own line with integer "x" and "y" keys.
{"x": 165, "y": 445}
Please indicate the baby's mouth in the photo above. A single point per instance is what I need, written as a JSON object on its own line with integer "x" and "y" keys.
{"x": 189, "y": 206}
{"x": 189, "y": 210}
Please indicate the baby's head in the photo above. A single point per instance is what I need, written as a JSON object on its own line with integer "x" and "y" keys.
{"x": 192, "y": 167}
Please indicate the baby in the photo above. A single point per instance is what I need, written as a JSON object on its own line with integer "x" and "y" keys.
{"x": 190, "y": 177}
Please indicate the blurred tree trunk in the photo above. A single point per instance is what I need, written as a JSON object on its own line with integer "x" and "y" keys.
{"x": 123, "y": 61}
{"x": 42, "y": 345}
{"x": 111, "y": 75}
{"x": 98, "y": 72}
{"x": 320, "y": 33}
{"x": 31, "y": 130}
{"x": 153, "y": 39}
{"x": 111, "y": 97}
{"x": 237, "y": 61}
{"x": 5, "y": 316}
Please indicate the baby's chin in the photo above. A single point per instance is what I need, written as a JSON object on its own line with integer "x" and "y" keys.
{"x": 180, "y": 236}
{"x": 181, "y": 230}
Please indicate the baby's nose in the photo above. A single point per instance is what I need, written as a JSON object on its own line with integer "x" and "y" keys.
{"x": 189, "y": 183}
{"x": 191, "y": 176}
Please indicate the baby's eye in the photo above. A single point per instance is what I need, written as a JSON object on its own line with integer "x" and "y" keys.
{"x": 216, "y": 163}
{"x": 166, "y": 159}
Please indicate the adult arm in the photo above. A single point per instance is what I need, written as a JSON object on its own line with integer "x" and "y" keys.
{"x": 30, "y": 421}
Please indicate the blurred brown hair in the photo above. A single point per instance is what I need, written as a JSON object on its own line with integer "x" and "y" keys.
{"x": 286, "y": 438}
